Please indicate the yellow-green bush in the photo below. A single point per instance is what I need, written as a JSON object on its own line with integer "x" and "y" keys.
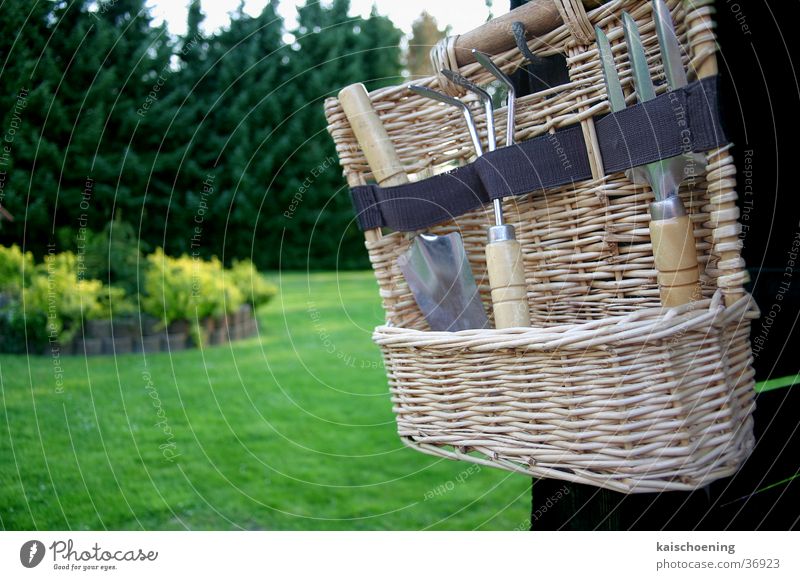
{"x": 187, "y": 288}
{"x": 13, "y": 265}
{"x": 54, "y": 300}
{"x": 67, "y": 300}
{"x": 254, "y": 286}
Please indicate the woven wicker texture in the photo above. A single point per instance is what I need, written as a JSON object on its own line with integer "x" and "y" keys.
{"x": 606, "y": 388}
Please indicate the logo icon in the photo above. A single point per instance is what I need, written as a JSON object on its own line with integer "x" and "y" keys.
{"x": 31, "y": 553}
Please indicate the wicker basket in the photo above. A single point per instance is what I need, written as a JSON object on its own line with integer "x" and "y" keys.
{"x": 606, "y": 388}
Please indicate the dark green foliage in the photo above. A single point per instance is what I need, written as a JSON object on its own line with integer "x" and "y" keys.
{"x": 84, "y": 74}
{"x": 208, "y": 145}
{"x": 113, "y": 257}
{"x": 21, "y": 331}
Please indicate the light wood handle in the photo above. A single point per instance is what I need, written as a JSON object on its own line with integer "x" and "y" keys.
{"x": 676, "y": 260}
{"x": 372, "y": 136}
{"x": 507, "y": 281}
{"x": 495, "y": 37}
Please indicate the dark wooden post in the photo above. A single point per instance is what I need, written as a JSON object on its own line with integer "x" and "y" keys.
{"x": 761, "y": 494}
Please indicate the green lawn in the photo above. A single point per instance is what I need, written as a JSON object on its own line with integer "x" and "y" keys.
{"x": 292, "y": 430}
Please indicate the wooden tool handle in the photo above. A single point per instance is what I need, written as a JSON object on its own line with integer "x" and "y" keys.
{"x": 495, "y": 37}
{"x": 507, "y": 281}
{"x": 676, "y": 260}
{"x": 372, "y": 136}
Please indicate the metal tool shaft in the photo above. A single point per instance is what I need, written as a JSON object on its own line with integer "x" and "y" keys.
{"x": 511, "y": 94}
{"x": 491, "y": 137}
{"x": 504, "y": 257}
{"x": 453, "y": 102}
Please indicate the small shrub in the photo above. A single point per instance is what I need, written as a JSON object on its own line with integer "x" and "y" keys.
{"x": 187, "y": 288}
{"x": 57, "y": 296}
{"x": 113, "y": 256}
{"x": 19, "y": 329}
{"x": 114, "y": 301}
{"x": 13, "y": 266}
{"x": 255, "y": 288}
{"x": 56, "y": 290}
{"x": 218, "y": 295}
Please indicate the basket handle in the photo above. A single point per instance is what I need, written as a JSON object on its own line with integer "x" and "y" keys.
{"x": 371, "y": 135}
{"x": 538, "y": 16}
{"x": 708, "y": 68}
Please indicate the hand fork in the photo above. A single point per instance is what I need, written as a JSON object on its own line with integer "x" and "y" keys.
{"x": 504, "y": 261}
{"x": 671, "y": 229}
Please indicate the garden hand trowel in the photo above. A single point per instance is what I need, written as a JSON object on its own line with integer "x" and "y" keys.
{"x": 440, "y": 277}
{"x": 435, "y": 267}
{"x": 503, "y": 251}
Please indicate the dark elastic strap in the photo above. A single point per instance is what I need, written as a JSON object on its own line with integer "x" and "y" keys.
{"x": 674, "y": 123}
{"x": 414, "y": 206}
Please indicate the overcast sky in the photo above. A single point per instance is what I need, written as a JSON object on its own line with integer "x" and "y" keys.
{"x": 462, "y": 15}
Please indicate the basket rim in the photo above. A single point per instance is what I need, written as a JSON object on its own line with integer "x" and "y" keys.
{"x": 643, "y": 326}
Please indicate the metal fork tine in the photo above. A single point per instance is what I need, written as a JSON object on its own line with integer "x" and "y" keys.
{"x": 452, "y": 101}
{"x": 485, "y": 98}
{"x": 511, "y": 95}
{"x": 616, "y": 97}
{"x": 671, "y": 229}
{"x": 638, "y": 59}
{"x": 463, "y": 81}
{"x": 670, "y": 47}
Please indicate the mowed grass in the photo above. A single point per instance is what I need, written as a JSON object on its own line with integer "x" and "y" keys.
{"x": 290, "y": 430}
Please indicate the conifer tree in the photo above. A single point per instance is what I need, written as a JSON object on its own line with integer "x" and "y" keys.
{"x": 203, "y": 144}
{"x": 425, "y": 33}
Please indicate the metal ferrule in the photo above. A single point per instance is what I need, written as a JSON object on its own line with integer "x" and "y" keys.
{"x": 503, "y": 233}
{"x": 665, "y": 209}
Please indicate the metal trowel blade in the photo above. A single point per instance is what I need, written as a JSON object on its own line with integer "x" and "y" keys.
{"x": 439, "y": 275}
